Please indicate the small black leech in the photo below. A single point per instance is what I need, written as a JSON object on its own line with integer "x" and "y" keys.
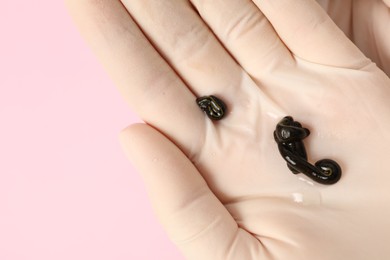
{"x": 212, "y": 106}
{"x": 289, "y": 135}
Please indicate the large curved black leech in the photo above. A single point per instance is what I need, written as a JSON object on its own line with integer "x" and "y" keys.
{"x": 289, "y": 135}
{"x": 212, "y": 106}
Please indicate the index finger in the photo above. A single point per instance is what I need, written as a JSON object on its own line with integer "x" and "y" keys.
{"x": 150, "y": 86}
{"x": 311, "y": 34}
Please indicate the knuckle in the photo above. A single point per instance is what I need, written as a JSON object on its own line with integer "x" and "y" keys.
{"x": 191, "y": 41}
{"x": 246, "y": 20}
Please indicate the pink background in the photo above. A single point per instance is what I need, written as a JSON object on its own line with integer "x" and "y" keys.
{"x": 66, "y": 189}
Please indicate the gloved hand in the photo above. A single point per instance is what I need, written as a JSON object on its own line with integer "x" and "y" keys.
{"x": 221, "y": 189}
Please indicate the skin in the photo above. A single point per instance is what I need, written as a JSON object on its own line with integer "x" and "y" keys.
{"x": 221, "y": 189}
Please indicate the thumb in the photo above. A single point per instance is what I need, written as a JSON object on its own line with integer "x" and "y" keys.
{"x": 193, "y": 217}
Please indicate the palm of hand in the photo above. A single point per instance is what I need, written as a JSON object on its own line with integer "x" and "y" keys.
{"x": 346, "y": 110}
{"x": 323, "y": 82}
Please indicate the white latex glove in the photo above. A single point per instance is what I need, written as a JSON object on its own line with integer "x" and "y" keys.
{"x": 221, "y": 189}
{"x": 367, "y": 24}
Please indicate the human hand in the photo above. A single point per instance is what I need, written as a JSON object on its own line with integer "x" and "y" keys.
{"x": 221, "y": 189}
{"x": 366, "y": 23}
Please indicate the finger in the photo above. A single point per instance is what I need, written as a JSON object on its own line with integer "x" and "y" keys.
{"x": 197, "y": 55}
{"x": 310, "y": 34}
{"x": 341, "y": 13}
{"x": 366, "y": 23}
{"x": 387, "y": 2}
{"x": 190, "y": 213}
{"x": 147, "y": 82}
{"x": 187, "y": 43}
{"x": 246, "y": 33}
